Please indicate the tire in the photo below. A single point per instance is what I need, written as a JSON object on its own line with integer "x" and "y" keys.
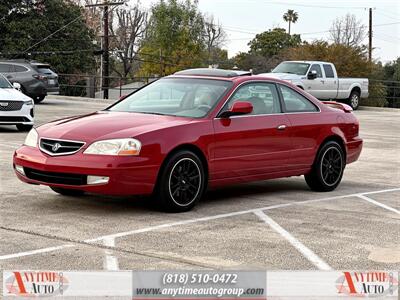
{"x": 38, "y": 99}
{"x": 67, "y": 192}
{"x": 22, "y": 127}
{"x": 327, "y": 171}
{"x": 354, "y": 100}
{"x": 181, "y": 182}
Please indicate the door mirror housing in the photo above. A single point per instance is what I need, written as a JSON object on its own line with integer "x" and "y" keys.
{"x": 16, "y": 86}
{"x": 312, "y": 75}
{"x": 238, "y": 108}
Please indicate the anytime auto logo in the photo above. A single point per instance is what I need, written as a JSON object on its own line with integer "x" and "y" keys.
{"x": 367, "y": 284}
{"x": 36, "y": 284}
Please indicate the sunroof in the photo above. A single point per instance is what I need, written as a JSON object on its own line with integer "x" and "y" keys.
{"x": 213, "y": 72}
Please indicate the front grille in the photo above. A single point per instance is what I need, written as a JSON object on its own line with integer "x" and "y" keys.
{"x": 60, "y": 178}
{"x": 13, "y": 119}
{"x": 11, "y": 105}
{"x": 60, "y": 147}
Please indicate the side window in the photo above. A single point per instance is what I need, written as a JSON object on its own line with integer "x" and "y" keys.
{"x": 19, "y": 69}
{"x": 6, "y": 68}
{"x": 294, "y": 102}
{"x": 318, "y": 69}
{"x": 329, "y": 71}
{"x": 263, "y": 96}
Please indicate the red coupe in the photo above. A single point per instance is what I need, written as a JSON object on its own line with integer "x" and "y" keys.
{"x": 196, "y": 128}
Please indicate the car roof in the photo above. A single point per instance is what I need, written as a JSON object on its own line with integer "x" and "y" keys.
{"x": 208, "y": 72}
{"x": 307, "y": 61}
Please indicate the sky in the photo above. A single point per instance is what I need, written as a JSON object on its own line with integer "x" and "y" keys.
{"x": 242, "y": 19}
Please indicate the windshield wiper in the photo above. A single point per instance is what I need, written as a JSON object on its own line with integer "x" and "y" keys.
{"x": 149, "y": 113}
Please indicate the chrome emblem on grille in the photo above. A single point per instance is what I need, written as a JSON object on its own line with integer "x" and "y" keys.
{"x": 4, "y": 104}
{"x": 55, "y": 147}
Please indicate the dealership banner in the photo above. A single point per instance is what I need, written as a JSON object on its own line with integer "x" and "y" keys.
{"x": 228, "y": 284}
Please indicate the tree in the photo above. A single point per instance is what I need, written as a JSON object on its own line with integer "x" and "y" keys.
{"x": 174, "y": 38}
{"x": 271, "y": 42}
{"x": 257, "y": 63}
{"x": 29, "y": 22}
{"x": 128, "y": 32}
{"x": 291, "y": 17}
{"x": 348, "y": 31}
{"x": 214, "y": 37}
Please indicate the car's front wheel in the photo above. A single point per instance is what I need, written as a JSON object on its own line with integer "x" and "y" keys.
{"x": 67, "y": 192}
{"x": 22, "y": 127}
{"x": 328, "y": 168}
{"x": 181, "y": 182}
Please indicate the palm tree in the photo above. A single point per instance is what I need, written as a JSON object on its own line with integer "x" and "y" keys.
{"x": 291, "y": 17}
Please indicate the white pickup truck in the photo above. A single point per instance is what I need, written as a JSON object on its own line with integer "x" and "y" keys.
{"x": 320, "y": 80}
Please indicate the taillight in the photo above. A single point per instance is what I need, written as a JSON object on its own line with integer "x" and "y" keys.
{"x": 39, "y": 77}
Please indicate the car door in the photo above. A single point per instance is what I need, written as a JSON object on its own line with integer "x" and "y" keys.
{"x": 256, "y": 143}
{"x": 315, "y": 86}
{"x": 304, "y": 125}
{"x": 331, "y": 83}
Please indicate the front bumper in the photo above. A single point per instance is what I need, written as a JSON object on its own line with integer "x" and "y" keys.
{"x": 23, "y": 116}
{"x": 127, "y": 175}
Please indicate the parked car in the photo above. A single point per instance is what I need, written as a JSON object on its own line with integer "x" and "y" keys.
{"x": 36, "y": 79}
{"x": 197, "y": 128}
{"x": 15, "y": 107}
{"x": 320, "y": 79}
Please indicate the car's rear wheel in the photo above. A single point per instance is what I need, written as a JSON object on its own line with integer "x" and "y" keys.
{"x": 328, "y": 168}
{"x": 67, "y": 192}
{"x": 22, "y": 127}
{"x": 354, "y": 100}
{"x": 181, "y": 183}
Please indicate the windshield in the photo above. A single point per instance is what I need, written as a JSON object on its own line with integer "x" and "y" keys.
{"x": 186, "y": 97}
{"x": 4, "y": 84}
{"x": 292, "y": 68}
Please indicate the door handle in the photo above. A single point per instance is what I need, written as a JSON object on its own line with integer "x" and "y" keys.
{"x": 281, "y": 127}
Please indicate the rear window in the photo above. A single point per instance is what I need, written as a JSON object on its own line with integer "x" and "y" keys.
{"x": 45, "y": 70}
{"x": 329, "y": 71}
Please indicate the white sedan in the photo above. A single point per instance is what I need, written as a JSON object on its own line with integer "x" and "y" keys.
{"x": 15, "y": 107}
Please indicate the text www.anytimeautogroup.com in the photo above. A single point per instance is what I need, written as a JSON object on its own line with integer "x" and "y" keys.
{"x": 198, "y": 292}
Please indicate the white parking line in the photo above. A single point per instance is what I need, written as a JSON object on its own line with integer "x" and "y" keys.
{"x": 33, "y": 252}
{"x": 190, "y": 221}
{"x": 307, "y": 253}
{"x": 379, "y": 204}
{"x": 110, "y": 262}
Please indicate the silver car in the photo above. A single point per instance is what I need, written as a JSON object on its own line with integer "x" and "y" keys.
{"x": 15, "y": 107}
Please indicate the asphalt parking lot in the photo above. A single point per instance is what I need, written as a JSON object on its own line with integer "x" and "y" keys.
{"x": 276, "y": 224}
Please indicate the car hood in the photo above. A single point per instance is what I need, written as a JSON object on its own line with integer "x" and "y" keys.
{"x": 103, "y": 125}
{"x": 12, "y": 95}
{"x": 284, "y": 76}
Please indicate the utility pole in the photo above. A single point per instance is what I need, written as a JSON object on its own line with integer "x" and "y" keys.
{"x": 105, "y": 70}
{"x": 370, "y": 36}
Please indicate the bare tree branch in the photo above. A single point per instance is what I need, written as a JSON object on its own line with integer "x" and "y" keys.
{"x": 348, "y": 31}
{"x": 214, "y": 36}
{"x": 128, "y": 29}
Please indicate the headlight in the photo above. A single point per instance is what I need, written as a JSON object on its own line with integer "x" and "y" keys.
{"x": 32, "y": 138}
{"x": 115, "y": 147}
{"x": 28, "y": 102}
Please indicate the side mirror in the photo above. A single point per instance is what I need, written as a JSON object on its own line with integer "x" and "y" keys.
{"x": 238, "y": 108}
{"x": 312, "y": 75}
{"x": 16, "y": 86}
